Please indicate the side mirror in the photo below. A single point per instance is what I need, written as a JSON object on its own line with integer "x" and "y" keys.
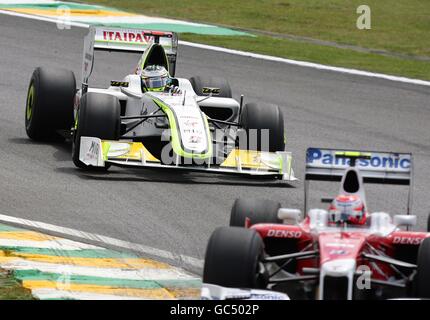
{"x": 289, "y": 216}
{"x": 381, "y": 223}
{"x": 174, "y": 82}
{"x": 318, "y": 218}
{"x": 405, "y": 220}
{"x": 327, "y": 200}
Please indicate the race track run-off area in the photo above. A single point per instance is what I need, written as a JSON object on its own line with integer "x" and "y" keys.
{"x": 176, "y": 212}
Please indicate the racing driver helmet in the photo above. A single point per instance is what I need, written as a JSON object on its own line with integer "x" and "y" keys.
{"x": 348, "y": 209}
{"x": 154, "y": 78}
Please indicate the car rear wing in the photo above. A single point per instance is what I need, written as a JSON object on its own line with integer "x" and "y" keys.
{"x": 374, "y": 166}
{"x": 125, "y": 40}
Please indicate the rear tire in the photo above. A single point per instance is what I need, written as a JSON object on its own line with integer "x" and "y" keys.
{"x": 99, "y": 116}
{"x": 258, "y": 211}
{"x": 199, "y": 83}
{"x": 254, "y": 118}
{"x": 233, "y": 258}
{"x": 50, "y": 101}
{"x": 422, "y": 278}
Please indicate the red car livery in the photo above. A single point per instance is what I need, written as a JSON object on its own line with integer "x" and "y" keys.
{"x": 326, "y": 255}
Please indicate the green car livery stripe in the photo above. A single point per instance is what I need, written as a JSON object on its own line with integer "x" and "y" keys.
{"x": 176, "y": 136}
{"x": 30, "y": 102}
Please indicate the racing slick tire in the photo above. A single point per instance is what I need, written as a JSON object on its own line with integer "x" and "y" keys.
{"x": 198, "y": 83}
{"x": 99, "y": 116}
{"x": 256, "y": 210}
{"x": 422, "y": 278}
{"x": 49, "y": 106}
{"x": 259, "y": 117}
{"x": 233, "y": 258}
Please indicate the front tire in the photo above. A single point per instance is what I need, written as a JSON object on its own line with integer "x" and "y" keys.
{"x": 256, "y": 210}
{"x": 422, "y": 278}
{"x": 233, "y": 258}
{"x": 254, "y": 119}
{"x": 50, "y": 100}
{"x": 99, "y": 116}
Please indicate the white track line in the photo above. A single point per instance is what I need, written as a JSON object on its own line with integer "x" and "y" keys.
{"x": 60, "y": 244}
{"x": 46, "y": 19}
{"x": 44, "y": 294}
{"x": 182, "y": 259}
{"x": 307, "y": 64}
{"x": 252, "y": 55}
{"x": 148, "y": 274}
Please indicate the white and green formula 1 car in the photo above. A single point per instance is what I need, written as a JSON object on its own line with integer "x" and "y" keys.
{"x": 197, "y": 127}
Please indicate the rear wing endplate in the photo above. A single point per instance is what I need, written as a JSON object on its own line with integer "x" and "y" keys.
{"x": 125, "y": 40}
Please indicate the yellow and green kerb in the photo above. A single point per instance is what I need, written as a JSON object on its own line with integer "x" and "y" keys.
{"x": 57, "y": 268}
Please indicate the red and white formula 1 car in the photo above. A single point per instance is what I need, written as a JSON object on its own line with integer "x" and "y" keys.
{"x": 344, "y": 252}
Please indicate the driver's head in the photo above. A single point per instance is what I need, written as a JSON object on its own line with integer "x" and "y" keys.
{"x": 154, "y": 77}
{"x": 349, "y": 209}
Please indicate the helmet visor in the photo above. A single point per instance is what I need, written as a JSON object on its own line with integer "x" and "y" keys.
{"x": 155, "y": 82}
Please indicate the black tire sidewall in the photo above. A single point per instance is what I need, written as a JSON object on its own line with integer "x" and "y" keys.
{"x": 54, "y": 93}
{"x": 257, "y": 210}
{"x": 422, "y": 277}
{"x": 33, "y": 125}
{"x": 428, "y": 223}
{"x": 232, "y": 258}
{"x": 98, "y": 116}
{"x": 259, "y": 117}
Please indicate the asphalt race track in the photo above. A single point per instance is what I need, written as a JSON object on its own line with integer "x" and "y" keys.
{"x": 178, "y": 211}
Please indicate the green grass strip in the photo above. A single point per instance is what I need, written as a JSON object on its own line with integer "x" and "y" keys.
{"x": 84, "y": 253}
{"x": 302, "y": 51}
{"x": 180, "y": 28}
{"x": 11, "y": 289}
{"x": 103, "y": 281}
{"x": 177, "y": 27}
{"x": 397, "y": 27}
{"x": 6, "y": 228}
{"x": 50, "y": 6}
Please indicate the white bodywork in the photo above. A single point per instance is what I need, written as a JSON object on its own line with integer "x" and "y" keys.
{"x": 189, "y": 130}
{"x": 191, "y": 125}
{"x": 190, "y": 121}
{"x": 214, "y": 292}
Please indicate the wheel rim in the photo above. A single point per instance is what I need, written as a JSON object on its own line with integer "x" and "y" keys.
{"x": 30, "y": 103}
